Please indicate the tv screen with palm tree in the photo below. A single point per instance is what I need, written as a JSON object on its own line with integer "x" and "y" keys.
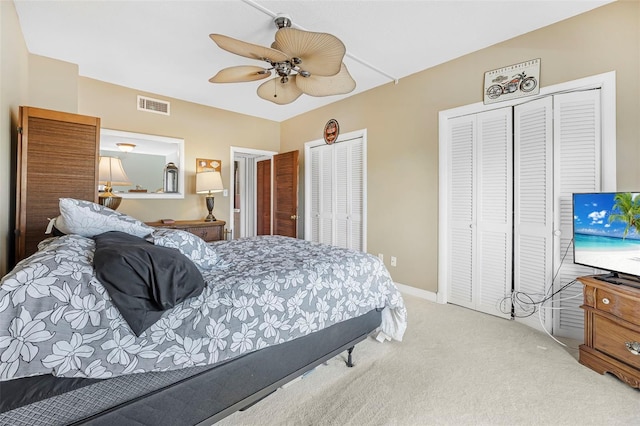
{"x": 606, "y": 231}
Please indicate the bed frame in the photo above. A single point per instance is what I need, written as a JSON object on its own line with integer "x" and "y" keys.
{"x": 192, "y": 396}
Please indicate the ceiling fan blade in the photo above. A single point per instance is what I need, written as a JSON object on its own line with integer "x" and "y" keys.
{"x": 316, "y": 85}
{"x": 280, "y": 93}
{"x": 248, "y": 50}
{"x": 321, "y": 53}
{"x": 239, "y": 74}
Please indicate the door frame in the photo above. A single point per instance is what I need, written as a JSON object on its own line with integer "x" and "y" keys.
{"x": 257, "y": 153}
{"x": 606, "y": 82}
{"x": 342, "y": 137}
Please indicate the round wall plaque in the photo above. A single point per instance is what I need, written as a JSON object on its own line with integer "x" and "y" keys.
{"x": 331, "y": 131}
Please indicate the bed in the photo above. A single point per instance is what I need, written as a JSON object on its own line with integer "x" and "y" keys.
{"x": 114, "y": 322}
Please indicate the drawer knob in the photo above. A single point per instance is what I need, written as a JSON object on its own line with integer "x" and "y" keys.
{"x": 605, "y": 301}
{"x": 633, "y": 347}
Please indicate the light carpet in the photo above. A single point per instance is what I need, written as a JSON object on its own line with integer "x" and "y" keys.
{"x": 454, "y": 367}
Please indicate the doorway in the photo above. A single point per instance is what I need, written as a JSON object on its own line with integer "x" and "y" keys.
{"x": 247, "y": 206}
{"x": 264, "y": 188}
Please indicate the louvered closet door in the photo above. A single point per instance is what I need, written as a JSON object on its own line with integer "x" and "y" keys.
{"x": 348, "y": 193}
{"x": 338, "y": 190}
{"x": 494, "y": 214}
{"x": 461, "y": 202}
{"x": 480, "y": 203}
{"x": 533, "y": 208}
{"x": 577, "y": 152}
{"x": 321, "y": 194}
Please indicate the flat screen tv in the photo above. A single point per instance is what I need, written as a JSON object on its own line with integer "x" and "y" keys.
{"x": 606, "y": 233}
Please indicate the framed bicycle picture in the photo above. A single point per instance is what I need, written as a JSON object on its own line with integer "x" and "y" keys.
{"x": 513, "y": 81}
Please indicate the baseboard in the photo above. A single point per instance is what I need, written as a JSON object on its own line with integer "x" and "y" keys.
{"x": 417, "y": 292}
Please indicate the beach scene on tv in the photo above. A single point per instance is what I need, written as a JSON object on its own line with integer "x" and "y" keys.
{"x": 606, "y": 231}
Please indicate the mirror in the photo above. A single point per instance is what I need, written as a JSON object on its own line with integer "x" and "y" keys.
{"x": 145, "y": 164}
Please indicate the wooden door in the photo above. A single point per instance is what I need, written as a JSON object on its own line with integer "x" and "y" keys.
{"x": 57, "y": 158}
{"x": 285, "y": 194}
{"x": 263, "y": 195}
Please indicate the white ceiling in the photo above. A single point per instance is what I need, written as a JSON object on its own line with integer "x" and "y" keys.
{"x": 163, "y": 47}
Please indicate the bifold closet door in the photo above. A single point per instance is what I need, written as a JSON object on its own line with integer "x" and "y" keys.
{"x": 557, "y": 143}
{"x": 338, "y": 194}
{"x": 480, "y": 203}
{"x": 321, "y": 194}
{"x": 533, "y": 209}
{"x": 461, "y": 210}
{"x": 577, "y": 140}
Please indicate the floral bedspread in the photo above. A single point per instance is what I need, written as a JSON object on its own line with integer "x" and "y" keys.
{"x": 57, "y": 318}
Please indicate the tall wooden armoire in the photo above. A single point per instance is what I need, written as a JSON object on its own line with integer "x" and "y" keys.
{"x": 57, "y": 158}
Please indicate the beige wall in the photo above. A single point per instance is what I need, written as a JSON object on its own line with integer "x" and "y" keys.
{"x": 53, "y": 84}
{"x": 401, "y": 121}
{"x": 13, "y": 93}
{"x": 207, "y": 132}
{"x": 402, "y": 125}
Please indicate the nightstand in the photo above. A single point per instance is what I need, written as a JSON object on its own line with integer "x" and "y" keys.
{"x": 208, "y": 231}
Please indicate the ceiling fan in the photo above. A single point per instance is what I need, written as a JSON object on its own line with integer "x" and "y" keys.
{"x": 302, "y": 61}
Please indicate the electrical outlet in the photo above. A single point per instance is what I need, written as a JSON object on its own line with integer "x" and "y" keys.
{"x": 381, "y": 256}
{"x": 394, "y": 261}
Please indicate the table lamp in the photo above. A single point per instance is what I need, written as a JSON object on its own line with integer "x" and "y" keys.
{"x": 207, "y": 183}
{"x": 110, "y": 173}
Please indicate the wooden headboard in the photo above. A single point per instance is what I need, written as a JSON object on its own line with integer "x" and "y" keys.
{"x": 57, "y": 157}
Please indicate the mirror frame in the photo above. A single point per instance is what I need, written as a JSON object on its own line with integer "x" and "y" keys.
{"x": 148, "y": 140}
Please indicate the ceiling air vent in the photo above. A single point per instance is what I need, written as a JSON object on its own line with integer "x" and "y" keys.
{"x": 153, "y": 105}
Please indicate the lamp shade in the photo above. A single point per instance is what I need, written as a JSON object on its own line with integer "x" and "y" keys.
{"x": 208, "y": 182}
{"x": 110, "y": 171}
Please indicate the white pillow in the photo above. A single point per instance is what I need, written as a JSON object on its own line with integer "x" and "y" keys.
{"x": 192, "y": 246}
{"x": 88, "y": 219}
{"x": 57, "y": 227}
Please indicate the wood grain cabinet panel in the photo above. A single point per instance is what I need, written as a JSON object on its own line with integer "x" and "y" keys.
{"x": 57, "y": 158}
{"x": 611, "y": 329}
{"x": 208, "y": 231}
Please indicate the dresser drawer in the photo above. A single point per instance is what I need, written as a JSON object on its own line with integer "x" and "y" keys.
{"x": 610, "y": 338}
{"x": 622, "y": 307}
{"x": 207, "y": 233}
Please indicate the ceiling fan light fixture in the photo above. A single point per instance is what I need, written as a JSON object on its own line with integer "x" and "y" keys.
{"x": 282, "y": 21}
{"x": 248, "y": 50}
{"x": 279, "y": 93}
{"x": 321, "y": 53}
{"x": 338, "y": 84}
{"x": 240, "y": 74}
{"x": 323, "y": 72}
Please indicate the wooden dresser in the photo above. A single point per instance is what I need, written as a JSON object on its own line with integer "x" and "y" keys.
{"x": 611, "y": 329}
{"x": 208, "y": 231}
